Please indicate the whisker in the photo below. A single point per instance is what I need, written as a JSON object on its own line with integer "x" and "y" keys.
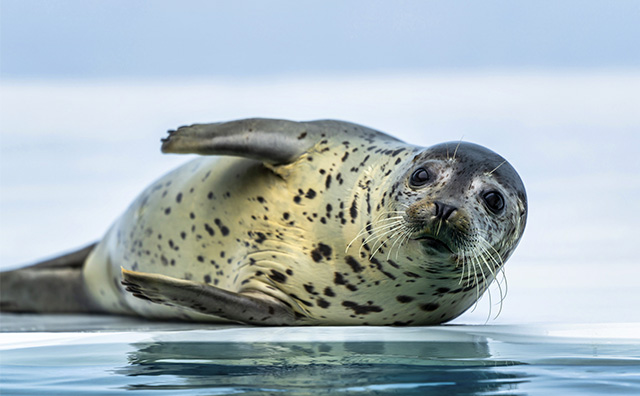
{"x": 439, "y": 226}
{"x": 475, "y": 278}
{"x": 457, "y": 146}
{"x": 395, "y": 242}
{"x": 462, "y": 271}
{"x": 383, "y": 227}
{"x": 377, "y": 240}
{"x": 500, "y": 267}
{"x": 380, "y": 243}
{"x": 485, "y": 286}
{"x": 496, "y": 168}
{"x": 402, "y": 238}
{"x": 373, "y": 229}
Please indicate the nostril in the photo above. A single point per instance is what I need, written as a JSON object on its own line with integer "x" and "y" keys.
{"x": 443, "y": 211}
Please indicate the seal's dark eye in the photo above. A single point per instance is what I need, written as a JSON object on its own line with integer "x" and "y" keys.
{"x": 420, "y": 177}
{"x": 494, "y": 201}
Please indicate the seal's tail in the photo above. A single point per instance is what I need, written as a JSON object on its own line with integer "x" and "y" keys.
{"x": 54, "y": 285}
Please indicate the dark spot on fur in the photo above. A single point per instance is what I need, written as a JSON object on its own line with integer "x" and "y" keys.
{"x": 328, "y": 292}
{"x": 322, "y": 303}
{"x": 277, "y": 276}
{"x": 260, "y": 237}
{"x": 223, "y": 229}
{"x": 339, "y": 280}
{"x": 362, "y": 309}
{"x": 404, "y": 299}
{"x": 310, "y": 194}
{"x": 179, "y": 198}
{"x": 167, "y": 211}
{"x": 354, "y": 264}
{"x": 429, "y": 307}
{"x": 209, "y": 229}
{"x": 378, "y": 265}
{"x": 321, "y": 251}
{"x": 393, "y": 264}
{"x": 207, "y": 279}
{"x": 353, "y": 211}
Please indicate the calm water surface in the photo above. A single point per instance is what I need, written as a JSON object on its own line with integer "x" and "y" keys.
{"x": 112, "y": 358}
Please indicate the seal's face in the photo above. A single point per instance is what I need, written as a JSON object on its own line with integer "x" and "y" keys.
{"x": 464, "y": 204}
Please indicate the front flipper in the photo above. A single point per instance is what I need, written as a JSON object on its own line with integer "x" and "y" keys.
{"x": 268, "y": 140}
{"x": 257, "y": 308}
{"x": 272, "y": 141}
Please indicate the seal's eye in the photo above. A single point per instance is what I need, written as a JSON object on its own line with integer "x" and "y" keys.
{"x": 420, "y": 177}
{"x": 494, "y": 201}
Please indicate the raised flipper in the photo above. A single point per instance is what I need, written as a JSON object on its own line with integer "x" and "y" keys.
{"x": 255, "y": 308}
{"x": 54, "y": 285}
{"x": 268, "y": 140}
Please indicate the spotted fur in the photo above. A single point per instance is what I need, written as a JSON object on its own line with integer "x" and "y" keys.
{"x": 338, "y": 234}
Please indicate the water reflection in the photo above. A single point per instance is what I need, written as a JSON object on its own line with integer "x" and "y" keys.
{"x": 320, "y": 368}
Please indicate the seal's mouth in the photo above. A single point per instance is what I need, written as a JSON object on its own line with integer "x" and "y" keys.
{"x": 435, "y": 244}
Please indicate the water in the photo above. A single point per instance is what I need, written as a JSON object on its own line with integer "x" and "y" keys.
{"x": 114, "y": 356}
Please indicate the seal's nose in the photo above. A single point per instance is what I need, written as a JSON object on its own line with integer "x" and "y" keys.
{"x": 443, "y": 211}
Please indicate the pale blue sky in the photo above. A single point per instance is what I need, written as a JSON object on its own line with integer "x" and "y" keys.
{"x": 196, "y": 38}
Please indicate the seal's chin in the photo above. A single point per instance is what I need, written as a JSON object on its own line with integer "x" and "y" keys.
{"x": 435, "y": 244}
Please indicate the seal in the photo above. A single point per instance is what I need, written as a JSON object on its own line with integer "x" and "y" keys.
{"x": 296, "y": 223}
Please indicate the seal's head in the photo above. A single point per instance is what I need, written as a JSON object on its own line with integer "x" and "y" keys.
{"x": 464, "y": 204}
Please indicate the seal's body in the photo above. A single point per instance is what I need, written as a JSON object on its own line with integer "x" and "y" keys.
{"x": 323, "y": 222}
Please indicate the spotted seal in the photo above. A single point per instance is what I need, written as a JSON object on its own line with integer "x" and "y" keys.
{"x": 298, "y": 223}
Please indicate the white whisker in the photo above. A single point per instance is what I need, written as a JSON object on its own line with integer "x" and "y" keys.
{"x": 496, "y": 168}
{"x": 373, "y": 229}
{"x": 457, "y": 146}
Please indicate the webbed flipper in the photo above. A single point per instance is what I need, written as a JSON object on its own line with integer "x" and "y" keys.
{"x": 255, "y": 308}
{"x": 268, "y": 140}
{"x": 55, "y": 285}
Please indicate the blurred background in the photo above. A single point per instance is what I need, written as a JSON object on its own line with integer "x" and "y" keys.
{"x": 87, "y": 89}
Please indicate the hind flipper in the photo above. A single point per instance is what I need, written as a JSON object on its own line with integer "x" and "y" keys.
{"x": 54, "y": 286}
{"x": 255, "y": 308}
{"x": 74, "y": 259}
